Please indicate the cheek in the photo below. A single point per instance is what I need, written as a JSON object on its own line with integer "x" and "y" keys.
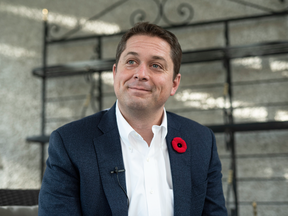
{"x": 117, "y": 78}
{"x": 164, "y": 84}
{"x": 120, "y": 81}
{"x": 116, "y": 83}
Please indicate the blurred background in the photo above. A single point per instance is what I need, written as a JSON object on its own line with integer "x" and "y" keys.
{"x": 55, "y": 67}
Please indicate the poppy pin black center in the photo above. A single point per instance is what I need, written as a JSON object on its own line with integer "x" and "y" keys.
{"x": 179, "y": 145}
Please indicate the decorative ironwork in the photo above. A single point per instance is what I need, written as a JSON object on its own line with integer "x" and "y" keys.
{"x": 54, "y": 28}
{"x": 183, "y": 10}
{"x": 249, "y": 4}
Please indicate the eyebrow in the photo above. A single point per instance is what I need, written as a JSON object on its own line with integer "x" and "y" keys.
{"x": 159, "y": 58}
{"x": 153, "y": 57}
{"x": 132, "y": 53}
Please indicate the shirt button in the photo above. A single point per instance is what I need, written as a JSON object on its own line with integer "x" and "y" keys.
{"x": 151, "y": 191}
{"x": 147, "y": 159}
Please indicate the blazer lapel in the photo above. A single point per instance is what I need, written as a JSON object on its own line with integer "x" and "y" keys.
{"x": 109, "y": 156}
{"x": 180, "y": 169}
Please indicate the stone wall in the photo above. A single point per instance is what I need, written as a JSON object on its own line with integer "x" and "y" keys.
{"x": 259, "y": 154}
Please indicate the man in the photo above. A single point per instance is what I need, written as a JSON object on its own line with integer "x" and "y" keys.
{"x": 135, "y": 158}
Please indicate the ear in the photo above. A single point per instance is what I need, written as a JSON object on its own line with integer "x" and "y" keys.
{"x": 114, "y": 70}
{"x": 176, "y": 83}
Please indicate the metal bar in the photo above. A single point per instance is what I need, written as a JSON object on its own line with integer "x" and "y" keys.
{"x": 259, "y": 179}
{"x": 221, "y": 108}
{"x": 193, "y": 110}
{"x": 254, "y": 126}
{"x": 218, "y": 21}
{"x": 245, "y": 156}
{"x": 235, "y": 19}
{"x": 111, "y": 7}
{"x": 100, "y": 94}
{"x": 63, "y": 74}
{"x": 38, "y": 139}
{"x": 262, "y": 104}
{"x": 190, "y": 57}
{"x": 235, "y": 52}
{"x": 239, "y": 83}
{"x": 253, "y": 82}
{"x": 228, "y": 118}
{"x": 201, "y": 86}
{"x": 44, "y": 64}
{"x": 264, "y": 203}
{"x": 42, "y": 160}
{"x": 254, "y": 6}
{"x": 43, "y": 95}
{"x": 38, "y": 73}
{"x": 226, "y": 33}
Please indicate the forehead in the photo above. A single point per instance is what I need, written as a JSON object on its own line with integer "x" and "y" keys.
{"x": 146, "y": 44}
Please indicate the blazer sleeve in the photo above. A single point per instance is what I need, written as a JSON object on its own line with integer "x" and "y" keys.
{"x": 59, "y": 194}
{"x": 214, "y": 202}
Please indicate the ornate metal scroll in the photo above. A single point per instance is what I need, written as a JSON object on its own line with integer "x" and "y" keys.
{"x": 184, "y": 10}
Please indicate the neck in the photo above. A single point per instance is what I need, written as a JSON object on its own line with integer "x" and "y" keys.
{"x": 142, "y": 121}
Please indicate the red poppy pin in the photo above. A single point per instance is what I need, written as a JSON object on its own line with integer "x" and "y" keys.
{"x": 179, "y": 145}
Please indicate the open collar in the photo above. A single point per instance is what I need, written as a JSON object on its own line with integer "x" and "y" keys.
{"x": 109, "y": 155}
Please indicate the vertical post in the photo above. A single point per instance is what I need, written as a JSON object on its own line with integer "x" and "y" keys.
{"x": 43, "y": 96}
{"x": 229, "y": 120}
{"x": 254, "y": 204}
{"x": 100, "y": 93}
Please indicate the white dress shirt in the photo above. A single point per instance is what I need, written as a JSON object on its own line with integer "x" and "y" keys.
{"x": 147, "y": 170}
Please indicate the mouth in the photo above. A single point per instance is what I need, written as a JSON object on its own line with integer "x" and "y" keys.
{"x": 139, "y": 89}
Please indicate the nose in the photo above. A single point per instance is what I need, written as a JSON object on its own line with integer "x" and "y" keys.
{"x": 141, "y": 73}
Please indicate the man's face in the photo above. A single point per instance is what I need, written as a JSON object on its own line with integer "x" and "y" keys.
{"x": 143, "y": 79}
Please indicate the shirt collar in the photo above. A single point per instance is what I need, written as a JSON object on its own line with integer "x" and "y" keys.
{"x": 125, "y": 129}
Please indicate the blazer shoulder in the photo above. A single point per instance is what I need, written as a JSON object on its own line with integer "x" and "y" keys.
{"x": 83, "y": 126}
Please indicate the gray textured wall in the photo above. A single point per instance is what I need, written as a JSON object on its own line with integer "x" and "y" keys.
{"x": 20, "y": 92}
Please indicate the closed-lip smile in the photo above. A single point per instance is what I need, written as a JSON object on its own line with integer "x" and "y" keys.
{"x": 139, "y": 88}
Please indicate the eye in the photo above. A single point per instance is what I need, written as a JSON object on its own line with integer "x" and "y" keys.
{"x": 131, "y": 62}
{"x": 156, "y": 66}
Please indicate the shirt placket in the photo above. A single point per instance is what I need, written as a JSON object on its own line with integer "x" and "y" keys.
{"x": 151, "y": 178}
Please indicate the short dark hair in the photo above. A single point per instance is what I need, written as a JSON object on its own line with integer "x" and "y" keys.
{"x": 145, "y": 28}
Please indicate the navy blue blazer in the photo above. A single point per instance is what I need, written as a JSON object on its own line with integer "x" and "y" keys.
{"x": 82, "y": 154}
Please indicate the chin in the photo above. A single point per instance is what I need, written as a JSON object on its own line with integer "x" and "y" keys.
{"x": 137, "y": 105}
